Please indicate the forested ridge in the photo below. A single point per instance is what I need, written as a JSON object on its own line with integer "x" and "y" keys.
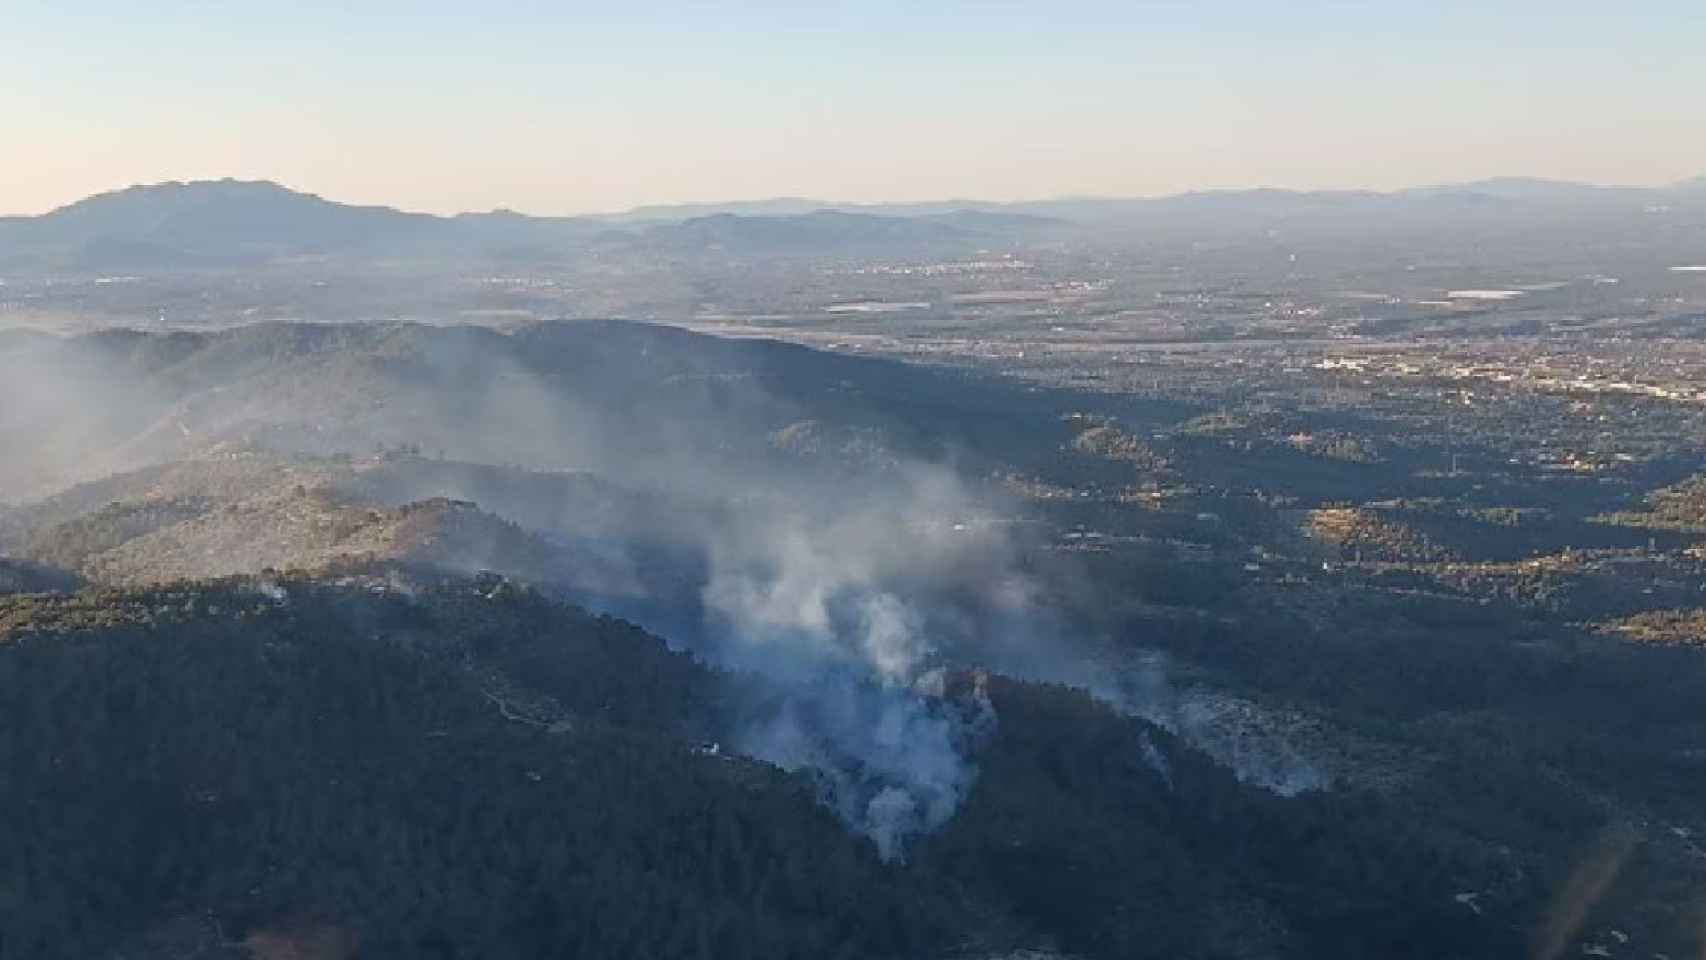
{"x": 444, "y": 766}
{"x": 381, "y": 754}
{"x": 321, "y": 759}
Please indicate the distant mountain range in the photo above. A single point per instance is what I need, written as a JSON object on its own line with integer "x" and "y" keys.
{"x": 235, "y": 223}
{"x": 1092, "y": 207}
{"x": 209, "y": 224}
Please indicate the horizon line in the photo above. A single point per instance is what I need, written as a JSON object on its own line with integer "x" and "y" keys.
{"x": 824, "y": 204}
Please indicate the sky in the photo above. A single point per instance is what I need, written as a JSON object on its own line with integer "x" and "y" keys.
{"x": 570, "y": 107}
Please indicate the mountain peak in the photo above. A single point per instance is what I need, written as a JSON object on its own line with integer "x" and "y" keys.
{"x": 171, "y": 191}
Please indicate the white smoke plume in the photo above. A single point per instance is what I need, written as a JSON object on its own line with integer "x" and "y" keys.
{"x": 1258, "y": 745}
{"x": 848, "y": 591}
{"x": 839, "y": 609}
{"x": 891, "y": 761}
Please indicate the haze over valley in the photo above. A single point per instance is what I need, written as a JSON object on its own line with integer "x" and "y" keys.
{"x": 977, "y": 482}
{"x": 1246, "y": 559}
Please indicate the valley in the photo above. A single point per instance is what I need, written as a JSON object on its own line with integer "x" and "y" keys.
{"x": 756, "y": 594}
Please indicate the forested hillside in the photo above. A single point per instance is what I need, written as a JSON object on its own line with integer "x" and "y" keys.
{"x": 323, "y": 639}
{"x": 434, "y": 766}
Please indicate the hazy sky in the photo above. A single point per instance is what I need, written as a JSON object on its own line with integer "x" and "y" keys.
{"x": 570, "y": 107}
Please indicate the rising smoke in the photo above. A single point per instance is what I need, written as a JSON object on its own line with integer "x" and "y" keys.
{"x": 849, "y": 585}
{"x": 839, "y": 610}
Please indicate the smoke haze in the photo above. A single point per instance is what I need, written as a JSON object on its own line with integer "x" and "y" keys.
{"x": 849, "y": 575}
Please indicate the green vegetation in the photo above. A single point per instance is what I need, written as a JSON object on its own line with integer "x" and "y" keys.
{"x": 1334, "y": 446}
{"x": 1662, "y": 627}
{"x": 1362, "y": 534}
{"x": 19, "y": 576}
{"x": 322, "y": 756}
{"x": 1681, "y": 506}
{"x": 386, "y": 755}
{"x": 451, "y": 767}
{"x": 1101, "y": 437}
{"x": 72, "y": 543}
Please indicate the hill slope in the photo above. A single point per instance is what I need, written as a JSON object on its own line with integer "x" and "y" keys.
{"x": 452, "y": 767}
